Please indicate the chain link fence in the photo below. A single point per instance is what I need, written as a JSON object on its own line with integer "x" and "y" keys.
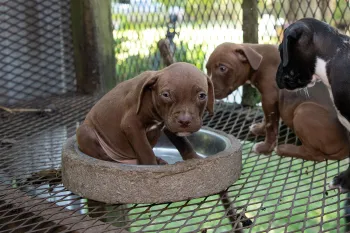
{"x": 36, "y": 58}
{"x": 196, "y": 27}
{"x": 37, "y": 68}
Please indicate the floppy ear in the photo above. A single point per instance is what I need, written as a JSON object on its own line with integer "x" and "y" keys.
{"x": 291, "y": 34}
{"x": 285, "y": 49}
{"x": 245, "y": 53}
{"x": 150, "y": 81}
{"x": 210, "y": 103}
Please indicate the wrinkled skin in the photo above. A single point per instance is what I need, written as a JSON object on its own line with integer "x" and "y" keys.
{"x": 126, "y": 123}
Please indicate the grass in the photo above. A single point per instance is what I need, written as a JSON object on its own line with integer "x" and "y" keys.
{"x": 281, "y": 194}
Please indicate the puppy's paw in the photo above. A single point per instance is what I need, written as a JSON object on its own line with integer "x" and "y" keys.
{"x": 280, "y": 149}
{"x": 341, "y": 182}
{"x": 257, "y": 129}
{"x": 263, "y": 148}
{"x": 161, "y": 161}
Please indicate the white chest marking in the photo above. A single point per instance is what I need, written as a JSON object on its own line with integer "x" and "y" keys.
{"x": 321, "y": 72}
{"x": 155, "y": 126}
{"x": 249, "y": 82}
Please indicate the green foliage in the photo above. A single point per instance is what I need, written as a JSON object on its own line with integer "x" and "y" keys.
{"x": 136, "y": 64}
{"x": 168, "y": 3}
{"x": 136, "y": 21}
{"x": 200, "y": 10}
{"x": 192, "y": 54}
{"x": 203, "y": 11}
{"x": 342, "y": 12}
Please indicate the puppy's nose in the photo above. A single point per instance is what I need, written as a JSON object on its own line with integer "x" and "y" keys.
{"x": 184, "y": 120}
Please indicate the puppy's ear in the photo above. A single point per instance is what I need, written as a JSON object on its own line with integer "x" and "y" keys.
{"x": 292, "y": 33}
{"x": 151, "y": 80}
{"x": 210, "y": 103}
{"x": 286, "y": 45}
{"x": 245, "y": 53}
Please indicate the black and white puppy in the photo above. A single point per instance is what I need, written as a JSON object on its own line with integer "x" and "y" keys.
{"x": 312, "y": 51}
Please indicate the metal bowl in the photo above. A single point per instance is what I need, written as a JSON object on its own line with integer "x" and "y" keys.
{"x": 111, "y": 182}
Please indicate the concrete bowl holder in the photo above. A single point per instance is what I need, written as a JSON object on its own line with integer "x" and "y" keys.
{"x": 116, "y": 183}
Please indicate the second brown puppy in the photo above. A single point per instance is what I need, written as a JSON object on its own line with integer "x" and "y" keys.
{"x": 311, "y": 115}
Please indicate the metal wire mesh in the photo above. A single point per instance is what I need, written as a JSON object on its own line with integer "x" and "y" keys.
{"x": 35, "y": 50}
{"x": 276, "y": 194}
{"x": 196, "y": 27}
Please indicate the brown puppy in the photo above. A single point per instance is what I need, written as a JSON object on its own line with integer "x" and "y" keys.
{"x": 126, "y": 123}
{"x": 232, "y": 65}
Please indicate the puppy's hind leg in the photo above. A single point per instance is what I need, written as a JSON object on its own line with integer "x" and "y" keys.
{"x": 321, "y": 134}
{"x": 88, "y": 143}
{"x": 301, "y": 152}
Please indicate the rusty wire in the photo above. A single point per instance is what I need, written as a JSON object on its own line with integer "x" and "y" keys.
{"x": 36, "y": 63}
{"x": 280, "y": 194}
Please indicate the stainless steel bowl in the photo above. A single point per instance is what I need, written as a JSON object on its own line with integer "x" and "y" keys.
{"x": 179, "y": 180}
{"x": 205, "y": 142}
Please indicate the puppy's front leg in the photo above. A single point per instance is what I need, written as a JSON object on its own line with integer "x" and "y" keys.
{"x": 137, "y": 137}
{"x": 182, "y": 145}
{"x": 258, "y": 129}
{"x": 341, "y": 181}
{"x": 270, "y": 108}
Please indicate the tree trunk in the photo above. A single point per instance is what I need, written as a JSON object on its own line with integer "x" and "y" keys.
{"x": 250, "y": 35}
{"x": 93, "y": 45}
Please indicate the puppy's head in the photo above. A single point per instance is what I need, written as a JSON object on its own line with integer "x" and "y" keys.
{"x": 229, "y": 67}
{"x": 297, "y": 52}
{"x": 180, "y": 94}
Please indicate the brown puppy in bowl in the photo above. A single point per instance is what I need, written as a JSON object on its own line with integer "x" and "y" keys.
{"x": 125, "y": 124}
{"x": 311, "y": 115}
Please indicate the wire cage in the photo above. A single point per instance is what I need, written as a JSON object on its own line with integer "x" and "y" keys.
{"x": 54, "y": 67}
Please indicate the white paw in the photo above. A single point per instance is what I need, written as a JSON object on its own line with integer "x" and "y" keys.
{"x": 251, "y": 128}
{"x": 256, "y": 145}
{"x": 331, "y": 185}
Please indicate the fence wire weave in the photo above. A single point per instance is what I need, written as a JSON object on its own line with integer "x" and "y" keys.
{"x": 276, "y": 194}
{"x": 35, "y": 50}
{"x": 36, "y": 63}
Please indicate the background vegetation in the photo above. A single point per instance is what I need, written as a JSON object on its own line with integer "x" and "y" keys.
{"x": 205, "y": 24}
{"x": 136, "y": 34}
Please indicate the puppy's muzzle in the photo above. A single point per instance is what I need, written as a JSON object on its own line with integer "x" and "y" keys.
{"x": 289, "y": 82}
{"x": 184, "y": 120}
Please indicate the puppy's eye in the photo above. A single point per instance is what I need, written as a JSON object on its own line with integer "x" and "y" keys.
{"x": 222, "y": 68}
{"x": 165, "y": 94}
{"x": 202, "y": 96}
